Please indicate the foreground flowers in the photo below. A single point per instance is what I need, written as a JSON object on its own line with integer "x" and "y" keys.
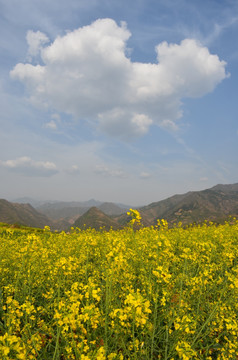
{"x": 155, "y": 293}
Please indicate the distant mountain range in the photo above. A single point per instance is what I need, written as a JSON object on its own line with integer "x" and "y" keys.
{"x": 70, "y": 211}
{"x": 214, "y": 204}
{"x": 58, "y": 215}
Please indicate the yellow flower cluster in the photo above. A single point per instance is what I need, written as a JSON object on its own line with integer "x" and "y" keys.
{"x": 135, "y": 216}
{"x": 155, "y": 293}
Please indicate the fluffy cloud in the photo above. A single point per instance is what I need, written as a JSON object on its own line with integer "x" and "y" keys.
{"x": 35, "y": 42}
{"x": 122, "y": 123}
{"x": 28, "y": 167}
{"x": 87, "y": 74}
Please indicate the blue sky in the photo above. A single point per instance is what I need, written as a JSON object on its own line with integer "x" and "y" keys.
{"x": 123, "y": 101}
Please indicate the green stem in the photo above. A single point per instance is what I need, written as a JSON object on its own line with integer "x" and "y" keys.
{"x": 56, "y": 352}
{"x": 209, "y": 318}
{"x": 154, "y": 324}
{"x": 166, "y": 343}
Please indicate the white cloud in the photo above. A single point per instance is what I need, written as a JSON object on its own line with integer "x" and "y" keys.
{"x": 145, "y": 175}
{"x": 56, "y": 117}
{"x": 169, "y": 124}
{"x": 54, "y": 122}
{"x": 35, "y": 41}
{"x": 115, "y": 122}
{"x": 220, "y": 27}
{"x": 86, "y": 73}
{"x": 191, "y": 71}
{"x": 73, "y": 170}
{"x": 106, "y": 171}
{"x": 51, "y": 125}
{"x": 28, "y": 167}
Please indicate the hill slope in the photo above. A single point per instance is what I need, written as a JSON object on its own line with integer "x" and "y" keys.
{"x": 111, "y": 209}
{"x": 25, "y": 214}
{"x": 215, "y": 204}
{"x": 96, "y": 219}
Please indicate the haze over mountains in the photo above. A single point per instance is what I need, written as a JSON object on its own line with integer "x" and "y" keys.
{"x": 214, "y": 204}
{"x": 70, "y": 211}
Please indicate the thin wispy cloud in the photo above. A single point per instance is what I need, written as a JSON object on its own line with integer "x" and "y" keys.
{"x": 51, "y": 125}
{"x": 106, "y": 171}
{"x": 28, "y": 167}
{"x": 145, "y": 175}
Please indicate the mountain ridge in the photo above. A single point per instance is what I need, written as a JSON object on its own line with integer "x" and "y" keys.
{"x": 70, "y": 211}
{"x": 214, "y": 204}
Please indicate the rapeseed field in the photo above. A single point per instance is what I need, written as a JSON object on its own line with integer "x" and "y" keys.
{"x": 152, "y": 293}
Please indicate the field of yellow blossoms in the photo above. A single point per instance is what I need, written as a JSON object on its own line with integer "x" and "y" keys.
{"x": 153, "y": 293}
